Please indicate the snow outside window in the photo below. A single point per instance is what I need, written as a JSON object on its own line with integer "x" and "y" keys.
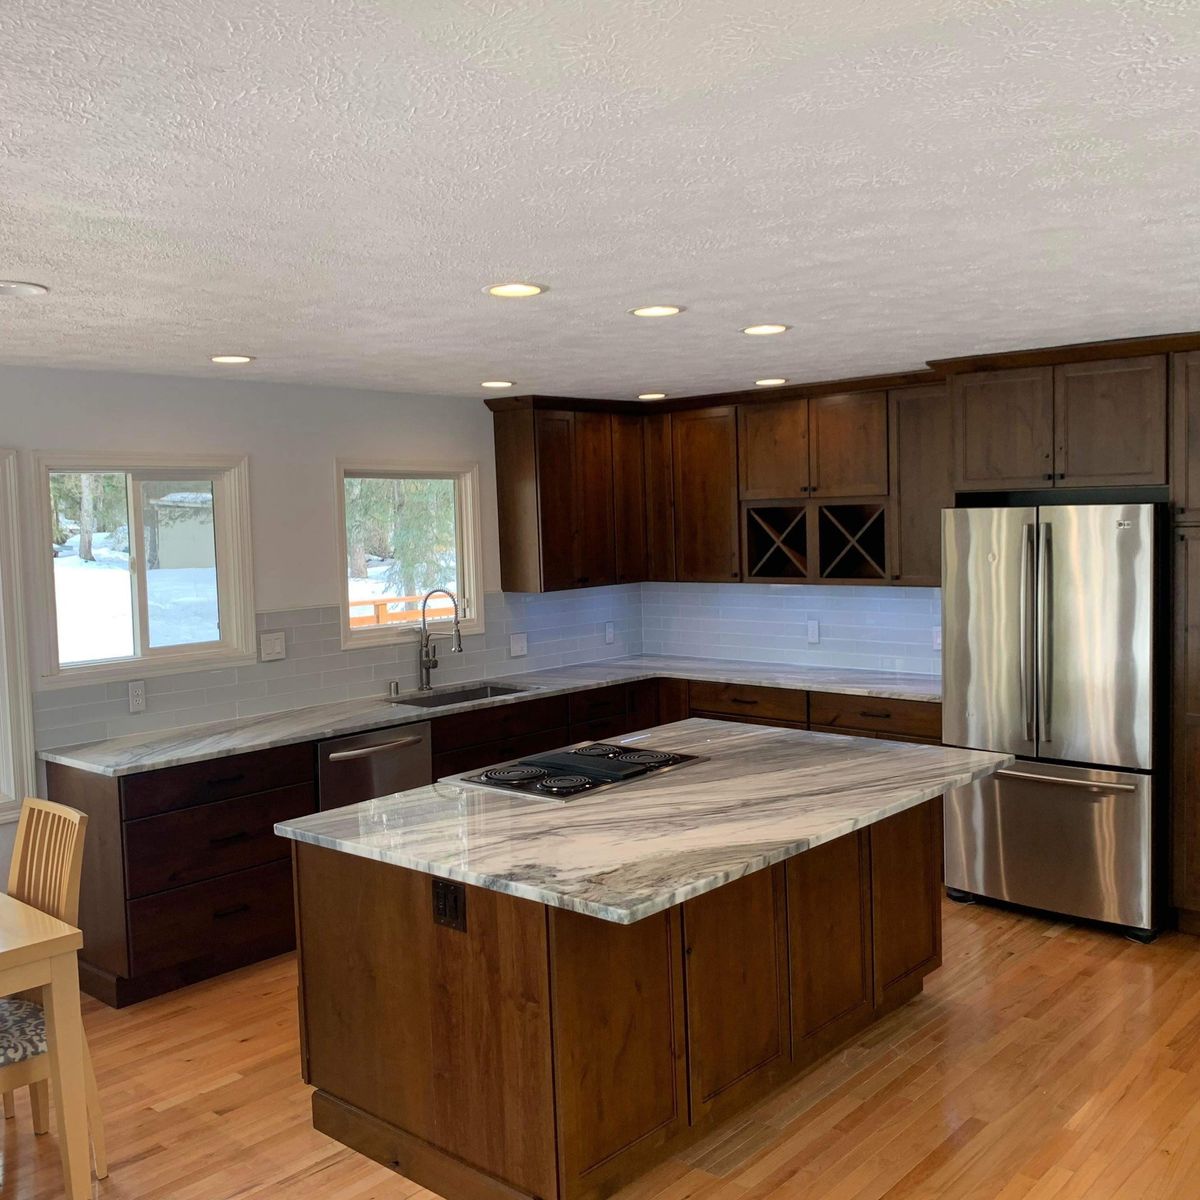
{"x": 404, "y": 534}
{"x": 148, "y": 565}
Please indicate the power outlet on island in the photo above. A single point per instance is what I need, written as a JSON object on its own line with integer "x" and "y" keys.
{"x": 137, "y": 696}
{"x": 272, "y": 647}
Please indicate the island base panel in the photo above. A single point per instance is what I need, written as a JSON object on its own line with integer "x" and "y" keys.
{"x": 553, "y": 1056}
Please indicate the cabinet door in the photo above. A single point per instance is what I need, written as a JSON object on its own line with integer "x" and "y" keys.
{"x": 735, "y": 951}
{"x": 704, "y": 446}
{"x": 595, "y": 546}
{"x": 849, "y": 444}
{"x": 1004, "y": 425}
{"x": 1185, "y": 436}
{"x": 1110, "y": 422}
{"x": 555, "y": 438}
{"x": 1185, "y": 796}
{"x": 773, "y": 450}
{"x": 829, "y": 940}
{"x": 660, "y": 499}
{"x": 922, "y": 434}
{"x": 906, "y": 870}
{"x": 629, "y": 497}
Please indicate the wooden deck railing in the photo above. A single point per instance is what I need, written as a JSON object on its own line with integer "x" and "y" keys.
{"x": 380, "y": 613}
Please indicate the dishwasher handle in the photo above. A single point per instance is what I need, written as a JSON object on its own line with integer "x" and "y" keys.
{"x": 368, "y": 751}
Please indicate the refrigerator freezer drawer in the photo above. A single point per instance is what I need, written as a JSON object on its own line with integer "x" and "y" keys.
{"x": 1065, "y": 839}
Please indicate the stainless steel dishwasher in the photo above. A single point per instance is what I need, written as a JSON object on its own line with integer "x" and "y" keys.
{"x": 365, "y": 766}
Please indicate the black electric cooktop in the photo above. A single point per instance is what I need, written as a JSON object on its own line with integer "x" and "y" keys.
{"x": 587, "y": 767}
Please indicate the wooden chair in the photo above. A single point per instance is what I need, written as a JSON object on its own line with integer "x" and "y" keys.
{"x": 46, "y": 863}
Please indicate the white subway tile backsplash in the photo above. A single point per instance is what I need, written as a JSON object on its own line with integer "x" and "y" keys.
{"x": 877, "y": 628}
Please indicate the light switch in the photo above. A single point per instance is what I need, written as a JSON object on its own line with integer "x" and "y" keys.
{"x": 937, "y": 639}
{"x": 518, "y": 645}
{"x": 272, "y": 647}
{"x": 814, "y": 631}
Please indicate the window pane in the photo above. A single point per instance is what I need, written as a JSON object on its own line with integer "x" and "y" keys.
{"x": 93, "y": 596}
{"x": 401, "y": 540}
{"x": 180, "y": 555}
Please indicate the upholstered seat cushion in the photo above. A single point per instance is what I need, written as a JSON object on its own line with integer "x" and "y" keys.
{"x": 22, "y": 1030}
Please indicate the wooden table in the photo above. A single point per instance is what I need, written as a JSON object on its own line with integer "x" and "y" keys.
{"x": 38, "y": 951}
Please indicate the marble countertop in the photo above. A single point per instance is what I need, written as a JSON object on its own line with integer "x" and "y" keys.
{"x": 153, "y": 751}
{"x": 762, "y": 795}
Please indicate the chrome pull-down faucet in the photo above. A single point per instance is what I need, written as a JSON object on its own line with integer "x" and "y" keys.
{"x": 428, "y": 651}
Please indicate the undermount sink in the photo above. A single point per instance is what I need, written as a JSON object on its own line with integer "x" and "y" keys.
{"x": 483, "y": 691}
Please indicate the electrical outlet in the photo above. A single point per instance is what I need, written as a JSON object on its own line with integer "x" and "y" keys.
{"x": 137, "y": 696}
{"x": 610, "y": 633}
{"x": 272, "y": 647}
{"x": 814, "y": 631}
{"x": 937, "y": 639}
{"x": 518, "y": 645}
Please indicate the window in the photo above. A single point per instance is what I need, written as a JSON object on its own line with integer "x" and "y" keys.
{"x": 148, "y": 565}
{"x": 403, "y": 534}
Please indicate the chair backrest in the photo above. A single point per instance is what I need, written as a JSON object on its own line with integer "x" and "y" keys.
{"x": 47, "y": 859}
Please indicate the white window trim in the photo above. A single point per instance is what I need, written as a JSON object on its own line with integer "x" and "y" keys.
{"x": 471, "y": 568}
{"x": 234, "y": 568}
{"x": 16, "y": 700}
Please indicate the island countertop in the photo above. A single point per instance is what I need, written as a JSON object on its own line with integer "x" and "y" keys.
{"x": 154, "y": 751}
{"x": 762, "y": 795}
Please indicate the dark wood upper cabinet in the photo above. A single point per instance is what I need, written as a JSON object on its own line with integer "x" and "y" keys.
{"x": 660, "y": 499}
{"x": 849, "y": 444}
{"x": 922, "y": 451}
{"x": 1110, "y": 422}
{"x": 705, "y": 470}
{"x": 1084, "y": 424}
{"x": 773, "y": 450}
{"x": 555, "y": 499}
{"x": 1005, "y": 429}
{"x": 594, "y": 541}
{"x": 629, "y": 497}
{"x": 1185, "y": 437}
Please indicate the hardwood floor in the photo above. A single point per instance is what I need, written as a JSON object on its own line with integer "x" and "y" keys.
{"x": 1043, "y": 1062}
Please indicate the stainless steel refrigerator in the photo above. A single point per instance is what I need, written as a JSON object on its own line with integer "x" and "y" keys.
{"x": 1048, "y": 624}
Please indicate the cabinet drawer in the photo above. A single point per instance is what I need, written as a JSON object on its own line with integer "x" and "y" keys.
{"x": 251, "y": 907}
{"x": 153, "y": 792}
{"x": 199, "y": 843}
{"x": 908, "y": 718}
{"x": 745, "y": 700}
{"x": 455, "y": 731}
{"x": 598, "y": 703}
{"x": 474, "y": 758}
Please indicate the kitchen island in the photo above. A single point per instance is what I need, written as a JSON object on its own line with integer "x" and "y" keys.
{"x": 509, "y": 996}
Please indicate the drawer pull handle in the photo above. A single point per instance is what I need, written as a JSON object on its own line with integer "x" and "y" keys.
{"x": 1092, "y": 785}
{"x": 230, "y": 839}
{"x": 233, "y": 911}
{"x": 873, "y": 715}
{"x": 739, "y": 700}
{"x": 226, "y": 781}
{"x": 367, "y": 751}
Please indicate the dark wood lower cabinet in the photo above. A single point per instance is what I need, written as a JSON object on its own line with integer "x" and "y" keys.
{"x": 735, "y": 948}
{"x": 543, "y": 1054}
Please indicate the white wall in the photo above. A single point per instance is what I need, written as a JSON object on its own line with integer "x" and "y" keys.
{"x": 292, "y": 434}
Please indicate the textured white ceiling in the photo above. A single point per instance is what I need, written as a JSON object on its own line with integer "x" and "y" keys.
{"x": 327, "y": 184}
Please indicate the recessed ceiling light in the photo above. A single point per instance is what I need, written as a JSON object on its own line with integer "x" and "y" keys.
{"x": 496, "y": 383}
{"x": 769, "y": 382}
{"x": 15, "y": 287}
{"x": 657, "y": 310}
{"x": 652, "y": 396}
{"x": 763, "y": 330}
{"x": 515, "y": 291}
{"x": 232, "y": 360}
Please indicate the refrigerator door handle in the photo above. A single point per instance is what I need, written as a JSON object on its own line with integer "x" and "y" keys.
{"x": 1045, "y": 635}
{"x": 1026, "y": 630}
